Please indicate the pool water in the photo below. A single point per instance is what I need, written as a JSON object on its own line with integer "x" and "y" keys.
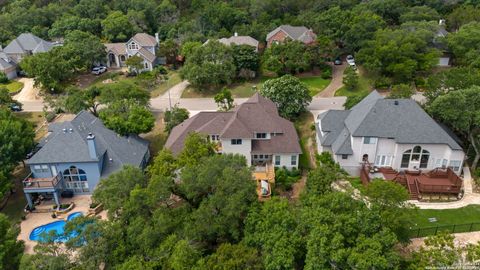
{"x": 57, "y": 226}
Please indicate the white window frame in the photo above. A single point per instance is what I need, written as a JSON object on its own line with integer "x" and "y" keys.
{"x": 133, "y": 46}
{"x": 278, "y": 160}
{"x": 456, "y": 167}
{"x": 369, "y": 140}
{"x": 383, "y": 160}
{"x": 293, "y": 160}
{"x": 236, "y": 141}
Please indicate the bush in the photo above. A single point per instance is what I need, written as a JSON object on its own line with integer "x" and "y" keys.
{"x": 3, "y": 78}
{"x": 327, "y": 73}
{"x": 421, "y": 82}
{"x": 50, "y": 116}
{"x": 383, "y": 82}
{"x": 284, "y": 179}
{"x": 93, "y": 205}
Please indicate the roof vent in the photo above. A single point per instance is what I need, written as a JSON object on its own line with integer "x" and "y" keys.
{"x": 110, "y": 159}
{"x": 70, "y": 130}
{"x": 64, "y": 130}
{"x": 395, "y": 102}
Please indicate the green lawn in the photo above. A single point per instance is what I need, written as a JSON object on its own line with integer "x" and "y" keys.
{"x": 13, "y": 86}
{"x": 315, "y": 84}
{"x": 364, "y": 86}
{"x": 303, "y": 125}
{"x": 173, "y": 79}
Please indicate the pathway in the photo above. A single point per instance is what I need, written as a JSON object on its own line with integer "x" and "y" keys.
{"x": 29, "y": 96}
{"x": 468, "y": 198}
{"x": 336, "y": 83}
{"x": 170, "y": 97}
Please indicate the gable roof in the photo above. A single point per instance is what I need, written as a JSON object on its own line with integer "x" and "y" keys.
{"x": 27, "y": 42}
{"x": 144, "y": 39}
{"x": 300, "y": 33}
{"x": 239, "y": 40}
{"x": 147, "y": 55}
{"x": 116, "y": 48}
{"x": 256, "y": 115}
{"x": 67, "y": 143}
{"x": 400, "y": 119}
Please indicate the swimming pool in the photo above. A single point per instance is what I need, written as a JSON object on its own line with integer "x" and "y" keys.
{"x": 57, "y": 226}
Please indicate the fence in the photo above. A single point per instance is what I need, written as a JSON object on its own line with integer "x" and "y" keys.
{"x": 455, "y": 228}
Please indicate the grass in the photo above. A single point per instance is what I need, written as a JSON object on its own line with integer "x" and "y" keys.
{"x": 173, "y": 79}
{"x": 37, "y": 119}
{"x": 246, "y": 89}
{"x": 303, "y": 125}
{"x": 365, "y": 85}
{"x": 12, "y": 86}
{"x": 315, "y": 84}
{"x": 157, "y": 137}
{"x": 464, "y": 215}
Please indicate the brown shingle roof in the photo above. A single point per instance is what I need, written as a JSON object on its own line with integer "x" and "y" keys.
{"x": 116, "y": 48}
{"x": 256, "y": 115}
{"x": 144, "y": 39}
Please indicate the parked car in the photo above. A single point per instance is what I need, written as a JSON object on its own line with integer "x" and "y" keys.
{"x": 337, "y": 61}
{"x": 34, "y": 150}
{"x": 99, "y": 70}
{"x": 350, "y": 60}
{"x": 16, "y": 107}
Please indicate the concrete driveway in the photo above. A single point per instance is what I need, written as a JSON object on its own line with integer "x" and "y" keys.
{"x": 29, "y": 96}
{"x": 336, "y": 82}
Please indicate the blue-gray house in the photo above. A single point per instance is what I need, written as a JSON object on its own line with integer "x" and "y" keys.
{"x": 76, "y": 154}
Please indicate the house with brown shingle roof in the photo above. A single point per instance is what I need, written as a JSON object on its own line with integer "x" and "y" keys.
{"x": 284, "y": 32}
{"x": 142, "y": 45}
{"x": 253, "y": 129}
{"x": 240, "y": 40}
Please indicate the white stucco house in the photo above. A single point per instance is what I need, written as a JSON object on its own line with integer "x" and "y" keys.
{"x": 393, "y": 133}
{"x": 142, "y": 45}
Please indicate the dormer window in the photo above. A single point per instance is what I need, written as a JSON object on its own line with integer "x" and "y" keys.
{"x": 261, "y": 135}
{"x": 214, "y": 138}
{"x": 133, "y": 46}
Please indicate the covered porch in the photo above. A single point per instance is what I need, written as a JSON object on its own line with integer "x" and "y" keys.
{"x": 34, "y": 187}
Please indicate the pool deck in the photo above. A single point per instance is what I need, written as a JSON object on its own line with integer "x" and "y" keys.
{"x": 33, "y": 220}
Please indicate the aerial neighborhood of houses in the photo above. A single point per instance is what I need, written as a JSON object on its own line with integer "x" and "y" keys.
{"x": 192, "y": 144}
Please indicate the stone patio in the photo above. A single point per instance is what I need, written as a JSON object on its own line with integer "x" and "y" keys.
{"x": 33, "y": 220}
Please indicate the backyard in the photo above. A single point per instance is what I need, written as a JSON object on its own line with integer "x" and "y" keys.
{"x": 246, "y": 89}
{"x": 304, "y": 129}
{"x": 12, "y": 86}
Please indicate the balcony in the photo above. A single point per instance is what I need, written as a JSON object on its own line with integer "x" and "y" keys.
{"x": 31, "y": 184}
{"x": 264, "y": 176}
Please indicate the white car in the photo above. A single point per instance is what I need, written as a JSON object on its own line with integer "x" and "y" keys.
{"x": 99, "y": 70}
{"x": 350, "y": 60}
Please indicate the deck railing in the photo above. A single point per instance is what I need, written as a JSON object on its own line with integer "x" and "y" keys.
{"x": 31, "y": 183}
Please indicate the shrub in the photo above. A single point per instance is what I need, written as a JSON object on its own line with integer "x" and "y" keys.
{"x": 383, "y": 82}
{"x": 420, "y": 82}
{"x": 284, "y": 179}
{"x": 3, "y": 78}
{"x": 93, "y": 205}
{"x": 327, "y": 73}
{"x": 50, "y": 116}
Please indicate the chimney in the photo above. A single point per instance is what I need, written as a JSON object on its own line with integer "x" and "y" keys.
{"x": 92, "y": 149}
{"x": 235, "y": 34}
{"x": 395, "y": 102}
{"x": 157, "y": 38}
{"x": 441, "y": 22}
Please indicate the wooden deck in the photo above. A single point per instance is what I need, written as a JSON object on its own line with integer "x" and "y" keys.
{"x": 40, "y": 183}
{"x": 267, "y": 173}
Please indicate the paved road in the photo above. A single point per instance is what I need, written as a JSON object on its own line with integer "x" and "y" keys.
{"x": 336, "y": 82}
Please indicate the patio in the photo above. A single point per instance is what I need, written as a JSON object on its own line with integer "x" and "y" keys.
{"x": 33, "y": 220}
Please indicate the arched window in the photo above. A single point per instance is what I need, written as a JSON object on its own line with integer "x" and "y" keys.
{"x": 75, "y": 179}
{"x": 415, "y": 155}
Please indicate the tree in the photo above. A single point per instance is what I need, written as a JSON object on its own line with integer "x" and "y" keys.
{"x": 289, "y": 94}
{"x": 74, "y": 101}
{"x": 135, "y": 63}
{"x": 224, "y": 100}
{"x": 287, "y": 57}
{"x": 68, "y": 23}
{"x": 5, "y": 97}
{"x": 464, "y": 122}
{"x": 50, "y": 69}
{"x": 16, "y": 140}
{"x": 462, "y": 15}
{"x": 353, "y": 100}
{"x": 362, "y": 29}
{"x": 169, "y": 49}
{"x": 439, "y": 251}
{"x": 127, "y": 117}
{"x": 350, "y": 79}
{"x": 164, "y": 164}
{"x": 121, "y": 184}
{"x": 452, "y": 79}
{"x": 195, "y": 147}
{"x": 232, "y": 256}
{"x": 420, "y": 13}
{"x": 401, "y": 91}
{"x": 174, "y": 117}
{"x": 210, "y": 65}
{"x": 319, "y": 181}
{"x": 188, "y": 48}
{"x": 246, "y": 60}
{"x": 86, "y": 48}
{"x": 120, "y": 91}
{"x": 398, "y": 53}
{"x": 117, "y": 27}
{"x": 465, "y": 44}
{"x": 11, "y": 249}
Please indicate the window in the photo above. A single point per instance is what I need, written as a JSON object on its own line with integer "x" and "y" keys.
{"x": 444, "y": 163}
{"x": 146, "y": 65}
{"x": 214, "y": 138}
{"x": 455, "y": 165}
{"x": 383, "y": 160}
{"x": 416, "y": 155}
{"x": 261, "y": 135}
{"x": 260, "y": 156}
{"x": 277, "y": 160}
{"x": 369, "y": 140}
{"x": 236, "y": 141}
{"x": 406, "y": 159}
{"x": 293, "y": 162}
{"x": 438, "y": 163}
{"x": 424, "y": 159}
{"x": 122, "y": 57}
{"x": 40, "y": 168}
{"x": 133, "y": 46}
{"x": 344, "y": 156}
{"x": 255, "y": 156}
{"x": 76, "y": 179}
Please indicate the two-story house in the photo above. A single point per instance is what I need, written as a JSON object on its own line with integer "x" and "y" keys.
{"x": 24, "y": 45}
{"x": 142, "y": 45}
{"x": 394, "y": 133}
{"x": 254, "y": 129}
{"x": 284, "y": 32}
{"x": 76, "y": 154}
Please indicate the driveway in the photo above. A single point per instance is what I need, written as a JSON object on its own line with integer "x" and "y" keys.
{"x": 29, "y": 96}
{"x": 170, "y": 97}
{"x": 336, "y": 82}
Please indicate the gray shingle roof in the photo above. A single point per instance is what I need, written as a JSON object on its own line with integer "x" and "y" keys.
{"x": 256, "y": 115}
{"x": 239, "y": 40}
{"x": 27, "y": 42}
{"x": 67, "y": 143}
{"x": 144, "y": 39}
{"x": 116, "y": 48}
{"x": 147, "y": 55}
{"x": 400, "y": 119}
{"x": 294, "y": 32}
